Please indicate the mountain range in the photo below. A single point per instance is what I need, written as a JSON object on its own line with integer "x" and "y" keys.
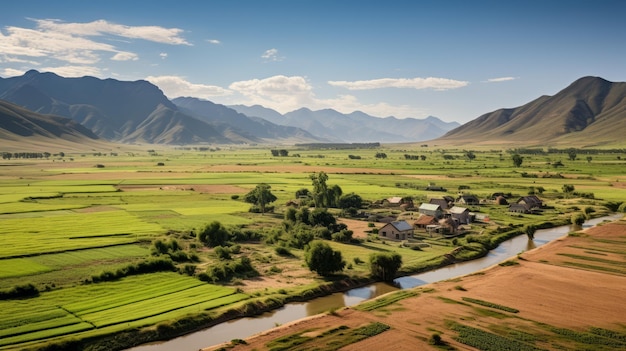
{"x": 139, "y": 112}
{"x": 589, "y": 112}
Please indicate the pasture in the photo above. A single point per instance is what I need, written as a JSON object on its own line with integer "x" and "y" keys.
{"x": 65, "y": 220}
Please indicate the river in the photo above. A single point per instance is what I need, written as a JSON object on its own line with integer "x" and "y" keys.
{"x": 245, "y": 327}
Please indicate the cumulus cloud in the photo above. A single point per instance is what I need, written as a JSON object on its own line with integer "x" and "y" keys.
{"x": 501, "y": 79}
{"x": 405, "y": 83}
{"x": 101, "y": 27}
{"x": 73, "y": 71}
{"x": 176, "y": 86}
{"x": 125, "y": 56}
{"x": 75, "y": 43}
{"x": 285, "y": 94}
{"x": 213, "y": 41}
{"x": 271, "y": 55}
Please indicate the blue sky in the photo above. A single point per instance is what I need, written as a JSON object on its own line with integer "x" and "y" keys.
{"x": 451, "y": 59}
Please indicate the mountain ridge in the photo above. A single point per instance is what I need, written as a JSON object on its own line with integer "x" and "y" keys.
{"x": 591, "y": 109}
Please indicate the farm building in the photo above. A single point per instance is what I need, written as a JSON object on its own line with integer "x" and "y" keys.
{"x": 531, "y": 201}
{"x": 441, "y": 202}
{"x": 392, "y": 201}
{"x": 461, "y": 214}
{"x": 519, "y": 208}
{"x": 468, "y": 200}
{"x": 423, "y": 221}
{"x": 399, "y": 230}
{"x": 431, "y": 210}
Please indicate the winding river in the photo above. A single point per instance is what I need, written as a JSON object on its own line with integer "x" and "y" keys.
{"x": 245, "y": 327}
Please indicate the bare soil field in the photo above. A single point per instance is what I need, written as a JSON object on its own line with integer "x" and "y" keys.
{"x": 577, "y": 282}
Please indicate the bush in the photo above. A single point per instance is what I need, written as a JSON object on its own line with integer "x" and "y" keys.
{"x": 283, "y": 251}
{"x": 321, "y": 258}
{"x": 385, "y": 265}
{"x": 19, "y": 291}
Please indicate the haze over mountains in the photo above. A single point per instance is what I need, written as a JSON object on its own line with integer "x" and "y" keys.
{"x": 139, "y": 112}
{"x": 589, "y": 112}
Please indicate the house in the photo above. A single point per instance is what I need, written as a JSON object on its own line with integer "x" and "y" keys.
{"x": 423, "y": 221}
{"x": 461, "y": 214}
{"x": 519, "y": 208}
{"x": 441, "y": 202}
{"x": 431, "y": 210}
{"x": 531, "y": 201}
{"x": 398, "y": 201}
{"x": 467, "y": 200}
{"x": 399, "y": 230}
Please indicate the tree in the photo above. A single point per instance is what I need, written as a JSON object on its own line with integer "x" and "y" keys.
{"x": 351, "y": 200}
{"x": 470, "y": 155}
{"x": 320, "y": 189}
{"x": 214, "y": 234}
{"x": 260, "y": 196}
{"x": 568, "y": 188}
{"x": 385, "y": 265}
{"x": 321, "y": 258}
{"x": 334, "y": 194}
{"x": 517, "y": 160}
{"x": 381, "y": 155}
{"x": 589, "y": 158}
{"x": 530, "y": 231}
{"x": 577, "y": 219}
{"x": 571, "y": 153}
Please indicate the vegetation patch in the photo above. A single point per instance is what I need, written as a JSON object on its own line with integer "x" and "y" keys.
{"x": 487, "y": 341}
{"x": 330, "y": 340}
{"x": 490, "y": 305}
{"x": 386, "y": 300}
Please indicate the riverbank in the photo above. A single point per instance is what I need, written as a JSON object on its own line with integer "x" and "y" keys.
{"x": 565, "y": 294}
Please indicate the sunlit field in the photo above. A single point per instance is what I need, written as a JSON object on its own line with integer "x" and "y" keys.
{"x": 72, "y": 226}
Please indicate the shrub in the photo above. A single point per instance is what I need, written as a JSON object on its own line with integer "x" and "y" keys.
{"x": 19, "y": 291}
{"x": 283, "y": 251}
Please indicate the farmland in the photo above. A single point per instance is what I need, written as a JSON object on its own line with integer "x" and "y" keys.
{"x": 79, "y": 231}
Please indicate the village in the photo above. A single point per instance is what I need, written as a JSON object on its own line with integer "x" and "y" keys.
{"x": 445, "y": 216}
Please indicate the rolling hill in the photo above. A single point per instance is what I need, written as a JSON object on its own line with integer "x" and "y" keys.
{"x": 24, "y": 130}
{"x": 588, "y": 113}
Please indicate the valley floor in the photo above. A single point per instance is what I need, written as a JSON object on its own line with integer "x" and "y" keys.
{"x": 567, "y": 294}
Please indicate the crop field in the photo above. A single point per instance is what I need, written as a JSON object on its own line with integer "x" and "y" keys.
{"x": 101, "y": 305}
{"x": 77, "y": 228}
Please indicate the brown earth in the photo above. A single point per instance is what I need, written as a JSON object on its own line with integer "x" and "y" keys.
{"x": 544, "y": 287}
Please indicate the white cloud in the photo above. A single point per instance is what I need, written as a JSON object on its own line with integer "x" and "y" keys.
{"x": 125, "y": 56}
{"x": 75, "y": 43}
{"x": 101, "y": 27}
{"x": 175, "y": 86}
{"x": 406, "y": 83}
{"x": 73, "y": 71}
{"x": 163, "y": 55}
{"x": 213, "y": 41}
{"x": 285, "y": 94}
{"x": 501, "y": 79}
{"x": 272, "y": 55}
{"x": 10, "y": 72}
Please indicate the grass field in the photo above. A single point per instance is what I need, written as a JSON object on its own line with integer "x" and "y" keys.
{"x": 63, "y": 222}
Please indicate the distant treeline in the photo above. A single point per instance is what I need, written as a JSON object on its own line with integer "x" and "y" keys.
{"x": 339, "y": 146}
{"x": 541, "y": 151}
{"x": 10, "y": 155}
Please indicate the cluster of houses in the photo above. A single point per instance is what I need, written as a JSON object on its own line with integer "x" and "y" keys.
{"x": 447, "y": 215}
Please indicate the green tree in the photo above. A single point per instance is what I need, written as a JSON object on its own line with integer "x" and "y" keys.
{"x": 517, "y": 160}
{"x": 385, "y": 265}
{"x": 321, "y": 258}
{"x": 320, "y": 189}
{"x": 214, "y": 234}
{"x": 571, "y": 153}
{"x": 470, "y": 155}
{"x": 577, "y": 219}
{"x": 530, "y": 231}
{"x": 568, "y": 188}
{"x": 351, "y": 200}
{"x": 261, "y": 195}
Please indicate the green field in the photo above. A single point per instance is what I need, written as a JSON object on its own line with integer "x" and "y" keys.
{"x": 64, "y": 223}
